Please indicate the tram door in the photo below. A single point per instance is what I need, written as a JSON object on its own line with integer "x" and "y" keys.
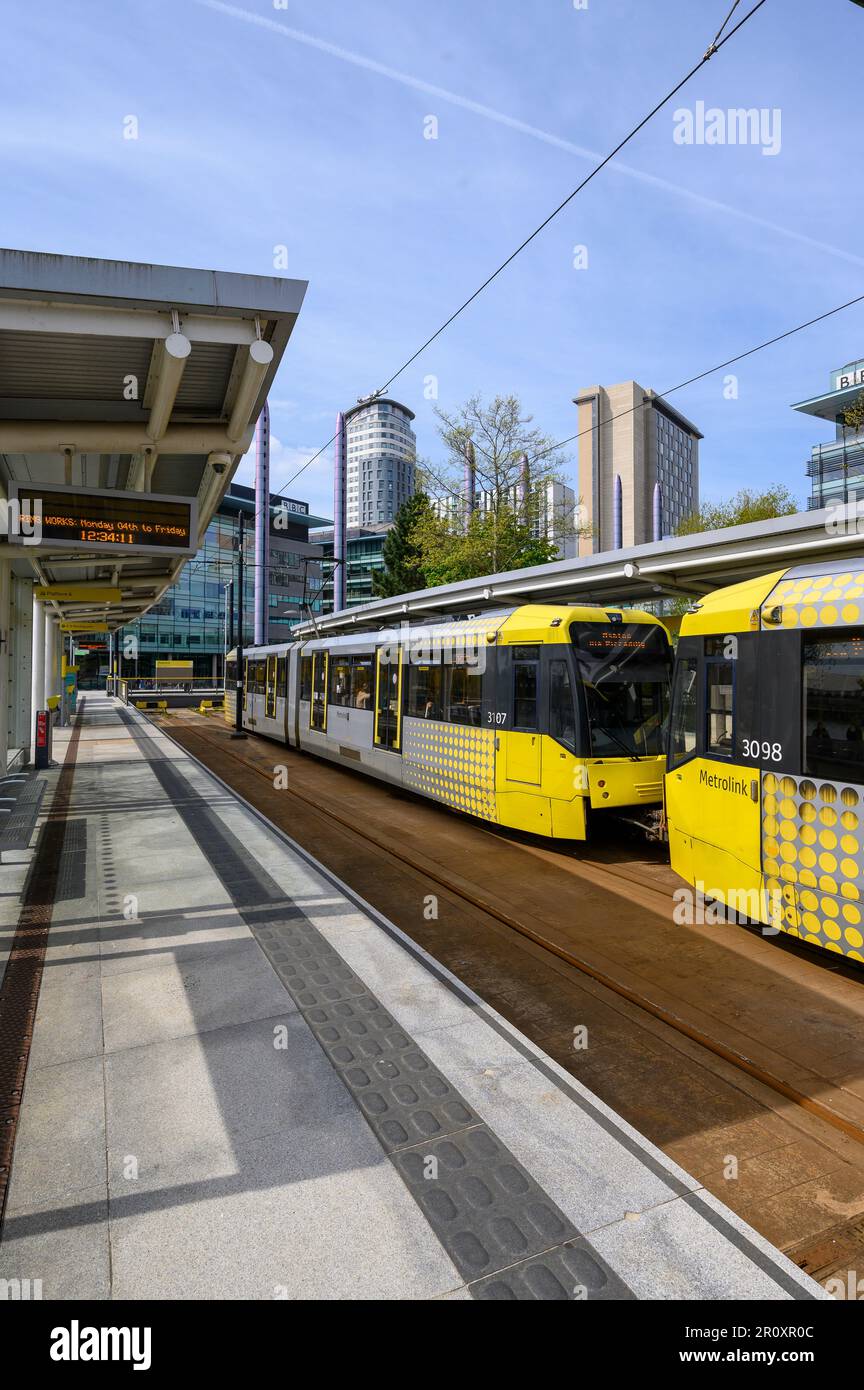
{"x": 318, "y": 711}
{"x": 270, "y": 697}
{"x": 523, "y": 745}
{"x": 388, "y": 700}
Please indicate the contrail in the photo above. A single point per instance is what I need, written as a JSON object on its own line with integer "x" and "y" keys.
{"x": 489, "y": 113}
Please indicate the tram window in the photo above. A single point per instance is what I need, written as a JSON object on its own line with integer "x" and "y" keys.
{"x": 425, "y": 692}
{"x": 281, "y": 666}
{"x": 719, "y": 687}
{"x": 464, "y": 687}
{"x": 340, "y": 681}
{"x": 833, "y": 707}
{"x": 562, "y": 719}
{"x": 525, "y": 692}
{"x": 231, "y": 673}
{"x": 361, "y": 682}
{"x": 306, "y": 678}
{"x": 683, "y": 722}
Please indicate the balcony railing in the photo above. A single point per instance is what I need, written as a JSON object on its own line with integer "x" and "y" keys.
{"x": 842, "y": 457}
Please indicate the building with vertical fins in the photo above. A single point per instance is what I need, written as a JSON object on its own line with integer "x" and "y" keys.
{"x": 634, "y": 436}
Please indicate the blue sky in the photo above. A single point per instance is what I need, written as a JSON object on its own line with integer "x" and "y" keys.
{"x": 303, "y": 126}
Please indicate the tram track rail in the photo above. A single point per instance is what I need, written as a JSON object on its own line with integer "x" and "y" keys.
{"x": 607, "y": 878}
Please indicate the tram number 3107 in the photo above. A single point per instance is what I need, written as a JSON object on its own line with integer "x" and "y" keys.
{"x": 762, "y": 751}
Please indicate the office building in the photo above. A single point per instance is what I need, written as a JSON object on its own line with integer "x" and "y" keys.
{"x": 191, "y": 619}
{"x": 380, "y": 452}
{"x": 836, "y": 467}
{"x": 365, "y": 558}
{"x": 638, "y": 466}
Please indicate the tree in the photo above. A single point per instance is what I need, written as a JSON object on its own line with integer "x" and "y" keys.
{"x": 402, "y": 571}
{"x": 513, "y": 464}
{"x": 853, "y": 415}
{"x": 743, "y": 507}
{"x": 491, "y": 542}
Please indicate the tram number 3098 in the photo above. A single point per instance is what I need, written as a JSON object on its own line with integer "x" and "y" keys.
{"x": 762, "y": 751}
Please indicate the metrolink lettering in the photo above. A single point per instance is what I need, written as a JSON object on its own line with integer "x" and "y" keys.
{"x": 77, "y": 1343}
{"x": 723, "y": 784}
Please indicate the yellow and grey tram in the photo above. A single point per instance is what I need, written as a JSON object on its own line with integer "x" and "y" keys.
{"x": 764, "y": 787}
{"x": 535, "y": 718}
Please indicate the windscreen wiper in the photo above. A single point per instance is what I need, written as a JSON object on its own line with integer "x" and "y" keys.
{"x": 634, "y": 757}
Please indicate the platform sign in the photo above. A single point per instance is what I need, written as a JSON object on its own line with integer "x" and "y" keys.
{"x": 77, "y": 593}
{"x": 76, "y": 518}
{"x": 83, "y": 625}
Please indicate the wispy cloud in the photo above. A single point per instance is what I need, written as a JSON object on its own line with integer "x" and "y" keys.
{"x": 490, "y": 113}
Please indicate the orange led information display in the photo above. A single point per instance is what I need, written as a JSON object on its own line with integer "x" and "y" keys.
{"x": 76, "y": 518}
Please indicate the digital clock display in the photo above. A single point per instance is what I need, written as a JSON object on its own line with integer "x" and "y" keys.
{"x": 74, "y": 518}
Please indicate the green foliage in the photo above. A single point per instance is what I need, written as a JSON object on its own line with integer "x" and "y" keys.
{"x": 745, "y": 506}
{"x": 493, "y": 541}
{"x": 853, "y": 415}
{"x": 403, "y": 571}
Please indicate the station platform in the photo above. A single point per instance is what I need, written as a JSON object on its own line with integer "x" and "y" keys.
{"x": 243, "y": 1082}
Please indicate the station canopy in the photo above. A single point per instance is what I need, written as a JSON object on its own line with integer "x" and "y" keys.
{"x": 128, "y": 395}
{"x": 681, "y": 565}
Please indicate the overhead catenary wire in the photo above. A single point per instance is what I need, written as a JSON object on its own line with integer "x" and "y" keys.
{"x": 713, "y": 48}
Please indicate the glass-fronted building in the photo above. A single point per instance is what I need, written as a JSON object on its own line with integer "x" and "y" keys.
{"x": 365, "y": 546}
{"x": 192, "y": 621}
{"x": 836, "y": 467}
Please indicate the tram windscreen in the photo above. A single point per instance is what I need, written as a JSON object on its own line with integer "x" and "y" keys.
{"x": 834, "y": 707}
{"x": 624, "y": 669}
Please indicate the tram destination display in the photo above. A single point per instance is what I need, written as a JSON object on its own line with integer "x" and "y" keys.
{"x": 74, "y": 518}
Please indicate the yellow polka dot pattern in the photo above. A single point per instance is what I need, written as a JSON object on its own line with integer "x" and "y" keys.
{"x": 819, "y": 600}
{"x": 813, "y": 860}
{"x": 454, "y": 763}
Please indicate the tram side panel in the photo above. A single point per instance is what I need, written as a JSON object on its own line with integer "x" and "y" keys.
{"x": 766, "y": 764}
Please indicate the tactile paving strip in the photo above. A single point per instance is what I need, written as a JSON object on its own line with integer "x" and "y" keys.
{"x": 485, "y": 1208}
{"x": 503, "y": 1233}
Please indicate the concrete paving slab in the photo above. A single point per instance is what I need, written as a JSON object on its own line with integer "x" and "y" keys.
{"x": 68, "y": 1020}
{"x": 288, "y": 1224}
{"x": 191, "y": 997}
{"x": 176, "y": 1102}
{"x": 172, "y": 939}
{"x": 60, "y": 1144}
{"x": 179, "y": 1101}
{"x": 64, "y": 1243}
